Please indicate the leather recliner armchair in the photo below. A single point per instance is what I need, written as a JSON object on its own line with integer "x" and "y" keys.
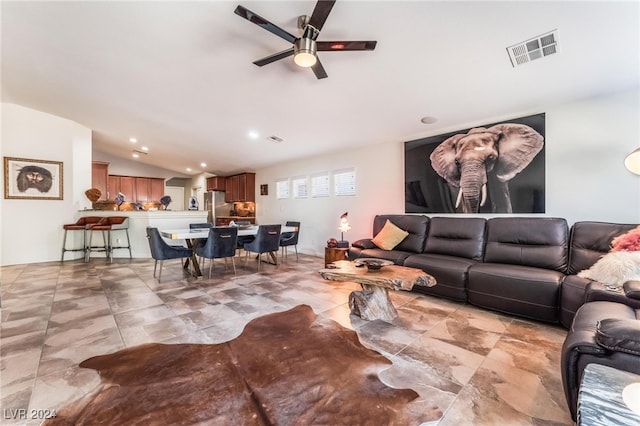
{"x": 606, "y": 331}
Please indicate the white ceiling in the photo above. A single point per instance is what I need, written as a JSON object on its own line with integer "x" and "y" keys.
{"x": 179, "y": 75}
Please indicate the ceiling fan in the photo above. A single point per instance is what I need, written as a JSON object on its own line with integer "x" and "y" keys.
{"x": 305, "y": 47}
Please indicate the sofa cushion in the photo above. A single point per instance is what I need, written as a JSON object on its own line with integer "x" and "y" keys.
{"x": 528, "y": 241}
{"x": 519, "y": 290}
{"x": 416, "y": 225}
{"x": 591, "y": 240}
{"x": 389, "y": 236}
{"x": 450, "y": 272}
{"x": 460, "y": 237}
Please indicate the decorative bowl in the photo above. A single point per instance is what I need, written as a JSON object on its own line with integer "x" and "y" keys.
{"x": 373, "y": 264}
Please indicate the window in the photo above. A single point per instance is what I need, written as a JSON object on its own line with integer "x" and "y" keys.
{"x": 320, "y": 185}
{"x": 299, "y": 185}
{"x": 344, "y": 182}
{"x": 282, "y": 189}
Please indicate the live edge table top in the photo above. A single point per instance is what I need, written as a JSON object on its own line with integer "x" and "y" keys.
{"x": 392, "y": 277}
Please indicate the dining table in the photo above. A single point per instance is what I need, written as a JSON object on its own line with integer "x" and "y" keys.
{"x": 194, "y": 237}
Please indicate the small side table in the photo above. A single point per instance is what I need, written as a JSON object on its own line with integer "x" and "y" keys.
{"x": 332, "y": 254}
{"x": 600, "y": 397}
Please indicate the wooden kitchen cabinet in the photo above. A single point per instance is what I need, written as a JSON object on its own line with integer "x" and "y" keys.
{"x": 216, "y": 183}
{"x": 157, "y": 189}
{"x": 124, "y": 184}
{"x": 240, "y": 188}
{"x": 100, "y": 178}
{"x": 143, "y": 190}
{"x": 232, "y": 189}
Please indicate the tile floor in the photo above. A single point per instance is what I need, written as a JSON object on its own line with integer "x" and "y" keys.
{"x": 473, "y": 366}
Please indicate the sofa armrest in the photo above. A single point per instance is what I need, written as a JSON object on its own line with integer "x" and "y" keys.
{"x": 619, "y": 335}
{"x": 632, "y": 289}
{"x": 596, "y": 291}
{"x": 365, "y": 243}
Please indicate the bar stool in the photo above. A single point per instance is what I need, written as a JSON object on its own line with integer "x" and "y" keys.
{"x": 108, "y": 225}
{"x": 81, "y": 224}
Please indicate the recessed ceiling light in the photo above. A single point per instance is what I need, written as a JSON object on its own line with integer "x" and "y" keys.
{"x": 203, "y": 164}
{"x": 144, "y": 148}
{"x": 188, "y": 169}
{"x": 428, "y": 120}
{"x": 133, "y": 140}
{"x": 135, "y": 155}
{"x": 253, "y": 134}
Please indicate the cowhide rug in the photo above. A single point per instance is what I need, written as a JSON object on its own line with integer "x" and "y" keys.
{"x": 285, "y": 368}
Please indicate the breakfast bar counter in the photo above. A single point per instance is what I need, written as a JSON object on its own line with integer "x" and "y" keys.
{"x": 139, "y": 220}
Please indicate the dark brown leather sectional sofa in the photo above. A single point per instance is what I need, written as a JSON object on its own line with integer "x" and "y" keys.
{"x": 526, "y": 266}
{"x": 523, "y": 266}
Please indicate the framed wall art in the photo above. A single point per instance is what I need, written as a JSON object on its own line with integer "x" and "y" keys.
{"x": 494, "y": 168}
{"x": 29, "y": 179}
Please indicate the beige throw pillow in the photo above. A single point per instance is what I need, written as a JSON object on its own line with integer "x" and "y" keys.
{"x": 389, "y": 236}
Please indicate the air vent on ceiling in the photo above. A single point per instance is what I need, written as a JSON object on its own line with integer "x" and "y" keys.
{"x": 275, "y": 139}
{"x": 535, "y": 48}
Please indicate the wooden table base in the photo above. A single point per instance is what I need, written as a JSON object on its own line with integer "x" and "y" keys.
{"x": 372, "y": 303}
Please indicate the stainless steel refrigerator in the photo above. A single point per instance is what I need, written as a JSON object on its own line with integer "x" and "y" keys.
{"x": 214, "y": 200}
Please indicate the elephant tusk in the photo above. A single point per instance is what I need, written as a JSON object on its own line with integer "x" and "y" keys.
{"x": 484, "y": 195}
{"x": 459, "y": 199}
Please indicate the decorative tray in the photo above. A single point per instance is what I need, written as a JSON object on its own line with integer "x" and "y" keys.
{"x": 372, "y": 264}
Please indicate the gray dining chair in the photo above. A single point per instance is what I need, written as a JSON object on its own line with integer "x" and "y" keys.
{"x": 221, "y": 244}
{"x": 205, "y": 225}
{"x": 161, "y": 251}
{"x": 288, "y": 239}
{"x": 267, "y": 241}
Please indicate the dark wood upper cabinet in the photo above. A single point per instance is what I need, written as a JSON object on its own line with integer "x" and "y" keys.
{"x": 99, "y": 178}
{"x": 240, "y": 188}
{"x": 143, "y": 190}
{"x": 136, "y": 189}
{"x": 157, "y": 189}
{"x": 128, "y": 188}
{"x": 216, "y": 183}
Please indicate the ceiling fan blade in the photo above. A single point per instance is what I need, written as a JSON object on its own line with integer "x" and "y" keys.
{"x": 327, "y": 46}
{"x": 319, "y": 71}
{"x": 275, "y": 57}
{"x": 260, "y": 21}
{"x": 320, "y": 13}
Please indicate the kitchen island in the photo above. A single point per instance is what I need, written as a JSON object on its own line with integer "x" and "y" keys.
{"x": 138, "y": 222}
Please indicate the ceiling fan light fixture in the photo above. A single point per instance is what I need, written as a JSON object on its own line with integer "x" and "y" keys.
{"x": 305, "y": 52}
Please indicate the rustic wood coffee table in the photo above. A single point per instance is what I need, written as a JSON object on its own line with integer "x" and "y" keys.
{"x": 373, "y": 301}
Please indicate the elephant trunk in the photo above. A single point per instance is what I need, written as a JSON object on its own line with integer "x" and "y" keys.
{"x": 473, "y": 187}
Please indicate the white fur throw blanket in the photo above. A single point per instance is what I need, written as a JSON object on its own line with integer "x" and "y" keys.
{"x": 615, "y": 268}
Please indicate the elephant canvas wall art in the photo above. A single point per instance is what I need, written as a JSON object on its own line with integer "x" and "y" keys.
{"x": 494, "y": 168}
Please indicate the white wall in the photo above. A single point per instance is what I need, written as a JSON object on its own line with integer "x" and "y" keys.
{"x": 586, "y": 143}
{"x": 32, "y": 229}
{"x": 379, "y": 188}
